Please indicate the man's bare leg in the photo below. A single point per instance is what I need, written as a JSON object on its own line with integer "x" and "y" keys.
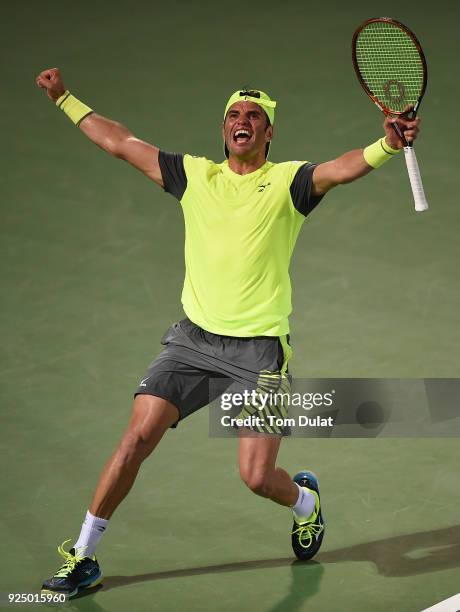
{"x": 257, "y": 458}
{"x": 151, "y": 417}
{"x": 258, "y": 454}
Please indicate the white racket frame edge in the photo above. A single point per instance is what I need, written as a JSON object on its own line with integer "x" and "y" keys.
{"x": 415, "y": 180}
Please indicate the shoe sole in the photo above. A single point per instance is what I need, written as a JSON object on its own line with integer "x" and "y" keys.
{"x": 81, "y": 587}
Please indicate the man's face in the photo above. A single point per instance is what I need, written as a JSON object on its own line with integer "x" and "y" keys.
{"x": 246, "y": 129}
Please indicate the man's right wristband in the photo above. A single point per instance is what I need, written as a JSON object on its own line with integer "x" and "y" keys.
{"x": 73, "y": 108}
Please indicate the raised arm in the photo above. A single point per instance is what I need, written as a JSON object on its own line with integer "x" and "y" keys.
{"x": 353, "y": 165}
{"x": 110, "y": 135}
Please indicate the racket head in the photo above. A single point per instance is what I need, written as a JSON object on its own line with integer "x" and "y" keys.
{"x": 390, "y": 64}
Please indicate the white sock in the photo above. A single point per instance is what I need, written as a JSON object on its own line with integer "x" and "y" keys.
{"x": 91, "y": 532}
{"x": 305, "y": 504}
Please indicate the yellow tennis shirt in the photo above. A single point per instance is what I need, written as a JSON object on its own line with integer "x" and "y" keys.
{"x": 240, "y": 232}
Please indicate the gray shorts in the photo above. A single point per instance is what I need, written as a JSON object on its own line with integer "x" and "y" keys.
{"x": 196, "y": 366}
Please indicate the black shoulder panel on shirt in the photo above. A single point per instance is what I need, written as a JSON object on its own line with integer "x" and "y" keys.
{"x": 173, "y": 173}
{"x": 300, "y": 190}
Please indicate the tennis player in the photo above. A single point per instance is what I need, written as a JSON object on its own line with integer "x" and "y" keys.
{"x": 242, "y": 219}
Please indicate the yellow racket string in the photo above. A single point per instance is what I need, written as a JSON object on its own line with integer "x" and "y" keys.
{"x": 390, "y": 65}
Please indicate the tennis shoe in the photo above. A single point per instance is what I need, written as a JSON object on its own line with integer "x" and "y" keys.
{"x": 307, "y": 536}
{"x": 76, "y": 573}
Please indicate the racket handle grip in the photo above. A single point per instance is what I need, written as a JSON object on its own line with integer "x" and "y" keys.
{"x": 415, "y": 180}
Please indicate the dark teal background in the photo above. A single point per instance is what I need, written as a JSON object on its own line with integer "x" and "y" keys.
{"x": 92, "y": 269}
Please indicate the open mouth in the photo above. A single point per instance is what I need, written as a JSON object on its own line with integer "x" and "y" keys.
{"x": 241, "y": 136}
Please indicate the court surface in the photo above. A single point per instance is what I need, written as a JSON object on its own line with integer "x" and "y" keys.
{"x": 92, "y": 268}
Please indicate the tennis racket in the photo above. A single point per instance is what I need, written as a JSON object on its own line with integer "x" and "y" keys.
{"x": 391, "y": 68}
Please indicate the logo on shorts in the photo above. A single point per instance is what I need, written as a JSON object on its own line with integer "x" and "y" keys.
{"x": 142, "y": 383}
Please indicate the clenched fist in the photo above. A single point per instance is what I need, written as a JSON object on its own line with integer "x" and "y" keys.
{"x": 409, "y": 127}
{"x": 51, "y": 80}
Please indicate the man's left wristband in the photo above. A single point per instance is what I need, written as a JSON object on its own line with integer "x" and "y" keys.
{"x": 75, "y": 110}
{"x": 378, "y": 153}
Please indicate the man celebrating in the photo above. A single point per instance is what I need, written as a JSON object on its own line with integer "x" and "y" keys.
{"x": 242, "y": 219}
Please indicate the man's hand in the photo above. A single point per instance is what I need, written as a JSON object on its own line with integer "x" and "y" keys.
{"x": 409, "y": 127}
{"x": 51, "y": 80}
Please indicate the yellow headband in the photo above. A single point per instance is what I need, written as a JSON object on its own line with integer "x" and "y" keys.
{"x": 262, "y": 99}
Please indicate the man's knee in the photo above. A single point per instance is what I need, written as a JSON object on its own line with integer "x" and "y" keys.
{"x": 258, "y": 480}
{"x": 151, "y": 417}
{"x": 134, "y": 447}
